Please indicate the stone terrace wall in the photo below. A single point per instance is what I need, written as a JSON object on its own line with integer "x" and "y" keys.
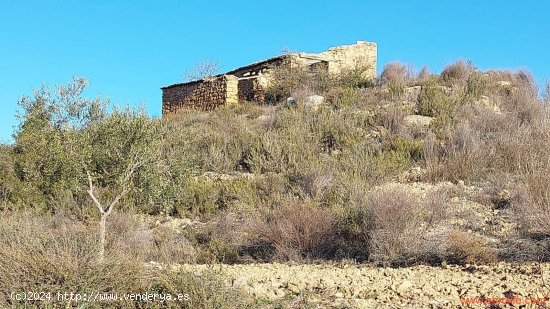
{"x": 204, "y": 94}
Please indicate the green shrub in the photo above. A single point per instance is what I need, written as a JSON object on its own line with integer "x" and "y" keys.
{"x": 344, "y": 97}
{"x": 475, "y": 86}
{"x": 354, "y": 78}
{"x": 434, "y": 102}
{"x": 411, "y": 148}
{"x": 9, "y": 184}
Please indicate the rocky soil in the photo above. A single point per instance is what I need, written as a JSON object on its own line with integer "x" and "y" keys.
{"x": 366, "y": 286}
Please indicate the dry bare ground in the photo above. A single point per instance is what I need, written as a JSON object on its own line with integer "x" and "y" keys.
{"x": 366, "y": 286}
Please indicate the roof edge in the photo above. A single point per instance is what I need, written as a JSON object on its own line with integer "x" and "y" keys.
{"x": 227, "y": 73}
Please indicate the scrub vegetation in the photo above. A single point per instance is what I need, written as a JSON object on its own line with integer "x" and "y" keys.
{"x": 407, "y": 169}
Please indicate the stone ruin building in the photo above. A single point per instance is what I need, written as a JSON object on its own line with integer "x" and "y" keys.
{"x": 249, "y": 83}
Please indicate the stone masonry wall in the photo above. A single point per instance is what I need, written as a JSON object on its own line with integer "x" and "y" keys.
{"x": 346, "y": 57}
{"x": 231, "y": 90}
{"x": 204, "y": 94}
{"x": 251, "y": 90}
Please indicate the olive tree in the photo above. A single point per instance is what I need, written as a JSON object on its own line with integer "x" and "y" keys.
{"x": 68, "y": 143}
{"x": 115, "y": 151}
{"x": 49, "y": 124}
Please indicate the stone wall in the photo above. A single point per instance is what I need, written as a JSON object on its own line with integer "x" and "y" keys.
{"x": 204, "y": 94}
{"x": 346, "y": 57}
{"x": 251, "y": 90}
{"x": 231, "y": 90}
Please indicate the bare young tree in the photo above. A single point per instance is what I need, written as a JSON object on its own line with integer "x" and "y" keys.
{"x": 106, "y": 211}
{"x": 114, "y": 162}
{"x": 203, "y": 69}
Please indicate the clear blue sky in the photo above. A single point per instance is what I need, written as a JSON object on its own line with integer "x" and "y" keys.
{"x": 129, "y": 49}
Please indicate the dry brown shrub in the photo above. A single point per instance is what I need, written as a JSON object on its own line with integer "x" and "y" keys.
{"x": 532, "y": 203}
{"x": 395, "y": 217}
{"x": 171, "y": 246}
{"x": 458, "y": 72}
{"x": 463, "y": 156}
{"x": 396, "y": 73}
{"x": 299, "y": 231}
{"x": 125, "y": 232}
{"x": 395, "y": 77}
{"x": 424, "y": 75}
{"x": 222, "y": 242}
{"x": 302, "y": 93}
{"x": 467, "y": 248}
{"x": 393, "y": 120}
{"x": 203, "y": 69}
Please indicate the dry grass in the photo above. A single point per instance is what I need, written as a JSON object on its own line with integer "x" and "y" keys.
{"x": 534, "y": 204}
{"x": 59, "y": 255}
{"x": 466, "y": 248}
{"x": 54, "y": 254}
{"x": 424, "y": 75}
{"x": 204, "y": 290}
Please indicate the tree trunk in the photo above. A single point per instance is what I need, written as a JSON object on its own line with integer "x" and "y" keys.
{"x": 102, "y": 228}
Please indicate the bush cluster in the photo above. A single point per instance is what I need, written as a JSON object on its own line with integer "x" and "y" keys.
{"x": 302, "y": 183}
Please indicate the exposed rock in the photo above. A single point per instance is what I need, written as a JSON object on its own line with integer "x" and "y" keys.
{"x": 414, "y": 174}
{"x": 488, "y": 104}
{"x": 290, "y": 102}
{"x": 504, "y": 83}
{"x": 418, "y": 121}
{"x": 502, "y": 199}
{"x": 404, "y": 286}
{"x": 314, "y": 101}
{"x": 175, "y": 224}
{"x": 445, "y": 89}
{"x": 265, "y": 118}
{"x": 213, "y": 176}
{"x": 379, "y": 132}
{"x": 412, "y": 93}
